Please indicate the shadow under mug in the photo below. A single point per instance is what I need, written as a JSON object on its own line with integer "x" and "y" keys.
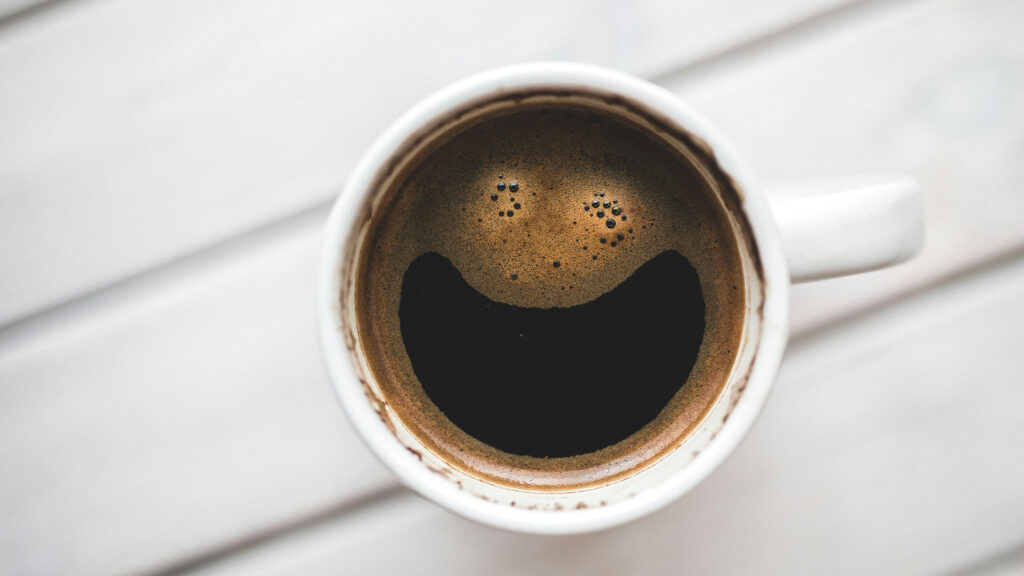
{"x": 787, "y": 234}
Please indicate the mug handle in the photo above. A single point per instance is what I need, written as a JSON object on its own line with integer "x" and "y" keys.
{"x": 849, "y": 225}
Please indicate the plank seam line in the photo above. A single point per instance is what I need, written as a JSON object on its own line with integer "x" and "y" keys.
{"x": 1012, "y": 557}
{"x": 975, "y": 271}
{"x": 816, "y": 24}
{"x": 39, "y": 321}
{"x": 253, "y": 541}
{"x": 29, "y": 12}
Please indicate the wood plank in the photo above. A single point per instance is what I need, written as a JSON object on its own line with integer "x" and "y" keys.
{"x": 891, "y": 445}
{"x": 183, "y": 415}
{"x": 134, "y": 133}
{"x": 936, "y": 91}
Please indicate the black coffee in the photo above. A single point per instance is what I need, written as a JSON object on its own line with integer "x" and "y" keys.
{"x": 552, "y": 382}
{"x": 548, "y": 294}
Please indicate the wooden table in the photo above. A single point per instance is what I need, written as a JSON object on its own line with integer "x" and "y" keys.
{"x": 165, "y": 170}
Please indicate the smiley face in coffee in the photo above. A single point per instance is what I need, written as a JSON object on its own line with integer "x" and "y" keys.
{"x": 549, "y": 295}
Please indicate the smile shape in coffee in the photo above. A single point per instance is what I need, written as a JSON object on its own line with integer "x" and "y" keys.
{"x": 550, "y": 297}
{"x": 552, "y": 382}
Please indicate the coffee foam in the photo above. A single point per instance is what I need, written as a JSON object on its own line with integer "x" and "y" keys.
{"x": 562, "y": 158}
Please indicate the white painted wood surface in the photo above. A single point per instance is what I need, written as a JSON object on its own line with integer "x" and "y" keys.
{"x": 185, "y": 413}
{"x": 935, "y": 90}
{"x": 187, "y": 410}
{"x": 151, "y": 423}
{"x": 891, "y": 445}
{"x": 132, "y": 133}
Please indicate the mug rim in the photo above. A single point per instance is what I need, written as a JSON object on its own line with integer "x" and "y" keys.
{"x": 345, "y": 216}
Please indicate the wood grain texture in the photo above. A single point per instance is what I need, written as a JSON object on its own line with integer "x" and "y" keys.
{"x": 935, "y": 91}
{"x": 891, "y": 445}
{"x": 183, "y": 415}
{"x": 188, "y": 411}
{"x": 134, "y": 133}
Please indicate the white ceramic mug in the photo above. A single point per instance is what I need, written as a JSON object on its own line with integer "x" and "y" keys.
{"x": 787, "y": 234}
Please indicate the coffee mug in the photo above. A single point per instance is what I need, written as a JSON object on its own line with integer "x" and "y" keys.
{"x": 789, "y": 234}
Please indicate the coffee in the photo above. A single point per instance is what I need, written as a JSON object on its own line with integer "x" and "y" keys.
{"x": 552, "y": 382}
{"x": 549, "y": 294}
